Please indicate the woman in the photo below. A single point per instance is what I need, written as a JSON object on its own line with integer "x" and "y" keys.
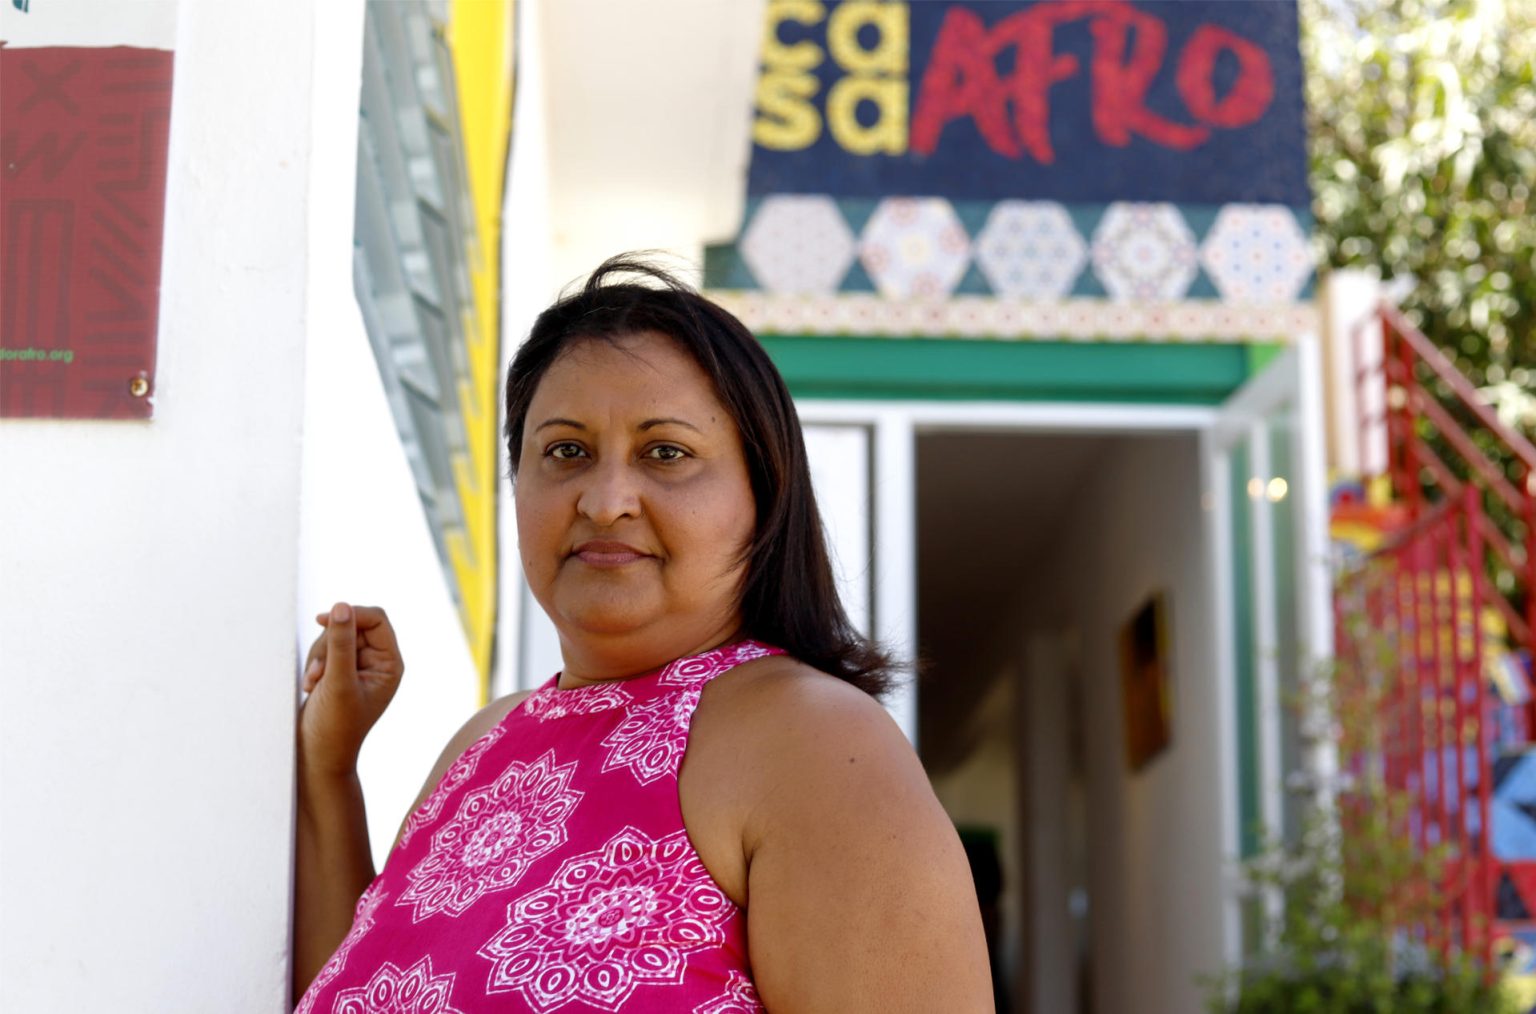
{"x": 563, "y": 855}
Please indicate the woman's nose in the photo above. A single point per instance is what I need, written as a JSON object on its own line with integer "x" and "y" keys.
{"x": 610, "y": 492}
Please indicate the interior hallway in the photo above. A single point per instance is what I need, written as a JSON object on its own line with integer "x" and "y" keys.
{"x": 1034, "y": 549}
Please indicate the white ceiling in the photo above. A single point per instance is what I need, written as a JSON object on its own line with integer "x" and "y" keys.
{"x": 649, "y": 110}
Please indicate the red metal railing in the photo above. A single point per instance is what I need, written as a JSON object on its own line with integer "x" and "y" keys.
{"x": 1411, "y": 647}
{"x": 1421, "y": 476}
{"x": 1412, "y": 619}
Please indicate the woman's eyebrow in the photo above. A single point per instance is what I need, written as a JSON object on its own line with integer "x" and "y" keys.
{"x": 652, "y": 423}
{"x": 558, "y": 421}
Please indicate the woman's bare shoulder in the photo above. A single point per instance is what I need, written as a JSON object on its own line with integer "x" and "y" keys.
{"x": 787, "y": 718}
{"x": 770, "y": 734}
{"x": 860, "y": 895}
{"x": 786, "y": 687}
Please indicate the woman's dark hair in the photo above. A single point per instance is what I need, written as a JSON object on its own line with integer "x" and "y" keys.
{"x": 789, "y": 598}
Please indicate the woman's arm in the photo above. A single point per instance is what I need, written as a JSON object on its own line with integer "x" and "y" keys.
{"x": 352, "y": 673}
{"x": 859, "y": 894}
{"x": 332, "y": 866}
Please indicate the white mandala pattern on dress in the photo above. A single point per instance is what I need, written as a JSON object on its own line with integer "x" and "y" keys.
{"x": 612, "y": 919}
{"x": 549, "y": 702}
{"x": 457, "y": 774}
{"x": 393, "y": 990}
{"x": 687, "y": 672}
{"x": 362, "y": 922}
{"x": 496, "y": 834}
{"x": 740, "y": 997}
{"x": 652, "y": 737}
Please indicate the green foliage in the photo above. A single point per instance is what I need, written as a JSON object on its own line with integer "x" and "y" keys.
{"x": 1422, "y": 117}
{"x": 1336, "y": 945}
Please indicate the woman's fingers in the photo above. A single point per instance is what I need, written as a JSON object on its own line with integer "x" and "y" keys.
{"x": 374, "y": 628}
{"x": 378, "y": 651}
{"x": 314, "y": 663}
{"x": 341, "y": 643}
{"x": 371, "y": 638}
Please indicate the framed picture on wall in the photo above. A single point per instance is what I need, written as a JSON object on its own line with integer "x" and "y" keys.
{"x": 1145, "y": 682}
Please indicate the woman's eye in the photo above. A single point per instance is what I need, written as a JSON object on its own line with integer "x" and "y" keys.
{"x": 666, "y": 452}
{"x": 564, "y": 451}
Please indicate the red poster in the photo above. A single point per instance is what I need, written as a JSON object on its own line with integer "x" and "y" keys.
{"x": 83, "y": 142}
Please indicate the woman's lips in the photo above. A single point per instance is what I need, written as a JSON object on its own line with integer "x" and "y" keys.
{"x": 608, "y": 554}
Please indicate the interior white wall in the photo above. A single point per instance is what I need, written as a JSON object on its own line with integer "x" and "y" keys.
{"x": 1043, "y": 753}
{"x": 1155, "y": 864}
{"x": 983, "y": 792}
{"x": 364, "y": 537}
{"x": 147, "y": 578}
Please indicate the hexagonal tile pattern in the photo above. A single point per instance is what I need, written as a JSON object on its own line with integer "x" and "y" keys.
{"x": 1257, "y": 253}
{"x": 915, "y": 248}
{"x": 798, "y": 245}
{"x": 1144, "y": 252}
{"x": 1030, "y": 250}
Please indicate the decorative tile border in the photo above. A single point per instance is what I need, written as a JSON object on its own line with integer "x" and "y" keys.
{"x": 932, "y": 248}
{"x": 972, "y": 316}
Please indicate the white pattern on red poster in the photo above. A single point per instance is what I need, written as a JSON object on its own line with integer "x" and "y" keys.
{"x": 615, "y": 918}
{"x": 496, "y": 834}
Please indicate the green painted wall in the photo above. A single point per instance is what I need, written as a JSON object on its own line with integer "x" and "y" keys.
{"x": 952, "y": 369}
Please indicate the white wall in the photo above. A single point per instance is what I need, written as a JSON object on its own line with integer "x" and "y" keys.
{"x": 147, "y": 576}
{"x": 1155, "y": 862}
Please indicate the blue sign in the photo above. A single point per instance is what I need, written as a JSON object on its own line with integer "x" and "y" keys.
{"x": 1187, "y": 101}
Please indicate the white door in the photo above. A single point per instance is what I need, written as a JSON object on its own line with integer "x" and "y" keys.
{"x": 839, "y": 455}
{"x": 1265, "y": 488}
{"x": 863, "y": 468}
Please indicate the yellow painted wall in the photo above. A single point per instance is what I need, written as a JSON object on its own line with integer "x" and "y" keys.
{"x": 481, "y": 37}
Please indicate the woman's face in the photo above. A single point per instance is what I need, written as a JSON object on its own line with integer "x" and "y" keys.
{"x": 634, "y": 504}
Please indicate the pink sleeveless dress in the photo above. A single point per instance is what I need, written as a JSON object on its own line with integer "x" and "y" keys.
{"x": 550, "y": 871}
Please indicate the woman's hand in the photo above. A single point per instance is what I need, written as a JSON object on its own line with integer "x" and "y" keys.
{"x": 352, "y": 672}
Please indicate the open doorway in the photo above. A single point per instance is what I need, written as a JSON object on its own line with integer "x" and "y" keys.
{"x": 1099, "y": 877}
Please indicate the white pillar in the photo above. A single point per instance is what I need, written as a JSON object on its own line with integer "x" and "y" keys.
{"x": 147, "y": 585}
